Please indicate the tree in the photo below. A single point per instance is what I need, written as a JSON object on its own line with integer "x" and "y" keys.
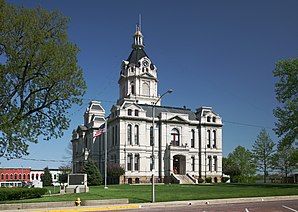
{"x": 93, "y": 174}
{"x": 286, "y": 90}
{"x": 231, "y": 169}
{"x": 263, "y": 150}
{"x": 47, "y": 177}
{"x": 39, "y": 78}
{"x": 242, "y": 158}
{"x": 63, "y": 177}
{"x": 285, "y": 159}
{"x": 114, "y": 172}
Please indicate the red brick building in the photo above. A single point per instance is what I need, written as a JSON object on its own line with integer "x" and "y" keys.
{"x": 10, "y": 175}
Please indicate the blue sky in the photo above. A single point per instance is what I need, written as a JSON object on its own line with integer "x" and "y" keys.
{"x": 211, "y": 53}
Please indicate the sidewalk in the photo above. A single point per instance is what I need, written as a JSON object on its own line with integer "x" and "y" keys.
{"x": 158, "y": 204}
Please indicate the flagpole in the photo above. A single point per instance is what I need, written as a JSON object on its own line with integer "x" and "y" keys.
{"x": 106, "y": 155}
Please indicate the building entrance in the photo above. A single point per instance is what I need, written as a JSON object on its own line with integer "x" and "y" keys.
{"x": 179, "y": 164}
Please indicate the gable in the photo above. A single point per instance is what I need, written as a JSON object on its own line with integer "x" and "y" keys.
{"x": 177, "y": 119}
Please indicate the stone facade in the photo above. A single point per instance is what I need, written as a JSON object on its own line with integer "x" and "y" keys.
{"x": 185, "y": 142}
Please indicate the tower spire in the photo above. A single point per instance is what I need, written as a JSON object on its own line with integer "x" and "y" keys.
{"x": 138, "y": 36}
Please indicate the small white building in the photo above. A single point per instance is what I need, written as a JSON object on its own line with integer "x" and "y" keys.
{"x": 187, "y": 144}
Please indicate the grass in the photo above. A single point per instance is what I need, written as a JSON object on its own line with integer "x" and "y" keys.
{"x": 175, "y": 192}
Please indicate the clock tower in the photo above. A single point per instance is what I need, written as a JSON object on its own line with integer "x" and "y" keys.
{"x": 138, "y": 75}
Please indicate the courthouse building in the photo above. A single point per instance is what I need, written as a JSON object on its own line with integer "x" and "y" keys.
{"x": 187, "y": 144}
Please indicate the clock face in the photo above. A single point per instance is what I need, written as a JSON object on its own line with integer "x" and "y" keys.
{"x": 145, "y": 63}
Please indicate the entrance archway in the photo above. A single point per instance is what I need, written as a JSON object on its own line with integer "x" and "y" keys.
{"x": 179, "y": 164}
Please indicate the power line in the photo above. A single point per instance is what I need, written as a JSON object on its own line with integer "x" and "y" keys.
{"x": 248, "y": 125}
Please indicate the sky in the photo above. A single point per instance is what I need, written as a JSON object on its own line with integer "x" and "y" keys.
{"x": 211, "y": 53}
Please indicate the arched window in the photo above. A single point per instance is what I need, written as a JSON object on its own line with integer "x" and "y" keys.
{"x": 129, "y": 134}
{"x": 214, "y": 119}
{"x": 6, "y": 176}
{"x": 129, "y": 162}
{"x": 208, "y": 139}
{"x": 210, "y": 163}
{"x": 20, "y": 176}
{"x": 132, "y": 88}
{"x": 15, "y": 176}
{"x": 215, "y": 163}
{"x": 175, "y": 137}
{"x": 2, "y": 176}
{"x": 28, "y": 176}
{"x": 192, "y": 138}
{"x": 137, "y": 162}
{"x": 136, "y": 135}
{"x": 11, "y": 176}
{"x": 214, "y": 139}
{"x": 146, "y": 89}
{"x": 32, "y": 177}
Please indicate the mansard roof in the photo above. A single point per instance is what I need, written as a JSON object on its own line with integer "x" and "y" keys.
{"x": 135, "y": 55}
{"x": 160, "y": 109}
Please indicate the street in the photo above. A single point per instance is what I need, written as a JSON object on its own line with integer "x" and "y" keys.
{"x": 270, "y": 206}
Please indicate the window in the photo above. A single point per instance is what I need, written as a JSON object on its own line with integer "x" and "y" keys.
{"x": 214, "y": 119}
{"x": 214, "y": 139}
{"x": 116, "y": 134}
{"x": 129, "y": 112}
{"x": 208, "y": 118}
{"x": 193, "y": 163}
{"x": 113, "y": 135}
{"x": 36, "y": 176}
{"x": 2, "y": 176}
{"x": 132, "y": 87}
{"x": 24, "y": 176}
{"x": 145, "y": 89}
{"x": 137, "y": 162}
{"x": 28, "y": 176}
{"x": 11, "y": 176}
{"x": 129, "y": 180}
{"x": 6, "y": 176}
{"x": 129, "y": 162}
{"x": 137, "y": 180}
{"x": 129, "y": 134}
{"x": 32, "y": 177}
{"x": 215, "y": 163}
{"x": 15, "y": 176}
{"x": 136, "y": 112}
{"x": 20, "y": 176}
{"x": 175, "y": 137}
{"x": 55, "y": 177}
{"x": 192, "y": 138}
{"x": 210, "y": 163}
{"x": 208, "y": 139}
{"x": 151, "y": 136}
{"x": 136, "y": 135}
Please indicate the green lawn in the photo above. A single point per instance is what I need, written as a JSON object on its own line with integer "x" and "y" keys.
{"x": 175, "y": 192}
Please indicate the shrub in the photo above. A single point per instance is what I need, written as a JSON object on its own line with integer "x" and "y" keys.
{"x": 201, "y": 180}
{"x": 224, "y": 179}
{"x": 21, "y": 193}
{"x": 208, "y": 179}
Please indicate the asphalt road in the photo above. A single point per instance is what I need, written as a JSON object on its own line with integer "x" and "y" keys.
{"x": 265, "y": 206}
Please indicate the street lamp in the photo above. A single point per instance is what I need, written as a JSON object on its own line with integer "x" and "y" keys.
{"x": 153, "y": 141}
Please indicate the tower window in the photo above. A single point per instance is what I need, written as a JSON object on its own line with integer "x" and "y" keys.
{"x": 192, "y": 138}
{"x": 132, "y": 88}
{"x": 208, "y": 119}
{"x": 129, "y": 112}
{"x": 136, "y": 135}
{"x": 209, "y": 139}
{"x": 129, "y": 134}
{"x": 146, "y": 89}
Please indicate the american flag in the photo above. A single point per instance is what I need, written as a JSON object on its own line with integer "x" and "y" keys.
{"x": 100, "y": 131}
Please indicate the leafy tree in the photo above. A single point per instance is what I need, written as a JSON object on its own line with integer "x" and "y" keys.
{"x": 47, "y": 177}
{"x": 39, "y": 77}
{"x": 242, "y": 158}
{"x": 263, "y": 150}
{"x": 63, "y": 177}
{"x": 93, "y": 174}
{"x": 286, "y": 90}
{"x": 230, "y": 168}
{"x": 286, "y": 159}
{"x": 114, "y": 172}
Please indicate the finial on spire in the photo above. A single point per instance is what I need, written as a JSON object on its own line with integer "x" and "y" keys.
{"x": 140, "y": 22}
